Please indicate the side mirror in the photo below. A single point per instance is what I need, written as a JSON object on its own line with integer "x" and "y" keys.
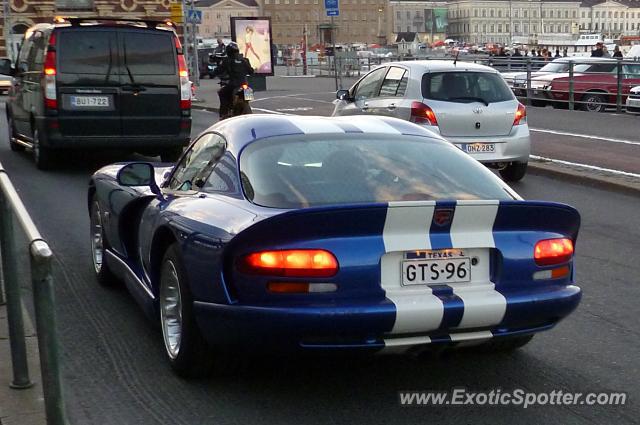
{"x": 138, "y": 174}
{"x": 343, "y": 95}
{"x": 5, "y": 66}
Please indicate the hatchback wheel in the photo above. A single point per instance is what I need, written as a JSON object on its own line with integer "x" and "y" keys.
{"x": 593, "y": 102}
{"x": 104, "y": 276}
{"x": 42, "y": 155}
{"x": 186, "y": 349}
{"x": 514, "y": 172}
{"x": 16, "y": 147}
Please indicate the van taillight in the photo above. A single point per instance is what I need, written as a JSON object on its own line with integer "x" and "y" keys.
{"x": 183, "y": 73}
{"x": 422, "y": 114}
{"x": 50, "y": 71}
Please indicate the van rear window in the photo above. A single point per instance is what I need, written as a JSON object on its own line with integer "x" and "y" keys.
{"x": 86, "y": 53}
{"x": 149, "y": 53}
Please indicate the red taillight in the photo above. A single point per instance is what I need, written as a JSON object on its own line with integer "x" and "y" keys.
{"x": 50, "y": 97}
{"x": 553, "y": 251}
{"x": 422, "y": 114}
{"x": 183, "y": 74}
{"x": 521, "y": 115}
{"x": 245, "y": 86}
{"x": 290, "y": 263}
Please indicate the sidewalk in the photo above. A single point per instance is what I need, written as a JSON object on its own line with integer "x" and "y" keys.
{"x": 20, "y": 407}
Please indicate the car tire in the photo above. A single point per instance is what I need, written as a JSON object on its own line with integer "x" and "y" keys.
{"x": 187, "y": 351}
{"x": 514, "y": 172}
{"x": 507, "y": 343}
{"x": 171, "y": 155}
{"x": 593, "y": 102}
{"x": 99, "y": 244}
{"x": 16, "y": 147}
{"x": 42, "y": 155}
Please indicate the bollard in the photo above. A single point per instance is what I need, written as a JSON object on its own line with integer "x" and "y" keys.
{"x": 619, "y": 87}
{"x": 528, "y": 81}
{"x": 571, "y": 93}
{"x": 14, "y": 305}
{"x": 43, "y": 295}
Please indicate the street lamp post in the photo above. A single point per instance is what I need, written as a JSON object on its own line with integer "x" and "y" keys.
{"x": 7, "y": 29}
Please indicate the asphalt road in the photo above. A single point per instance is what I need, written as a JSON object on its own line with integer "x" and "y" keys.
{"x": 115, "y": 373}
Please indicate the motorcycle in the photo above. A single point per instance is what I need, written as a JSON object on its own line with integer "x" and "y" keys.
{"x": 240, "y": 104}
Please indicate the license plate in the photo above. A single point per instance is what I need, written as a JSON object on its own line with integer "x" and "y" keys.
{"x": 436, "y": 272}
{"x": 481, "y": 147}
{"x": 90, "y": 101}
{"x": 248, "y": 94}
{"x": 634, "y": 102}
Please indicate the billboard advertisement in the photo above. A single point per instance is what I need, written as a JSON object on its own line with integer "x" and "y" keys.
{"x": 436, "y": 20}
{"x": 253, "y": 35}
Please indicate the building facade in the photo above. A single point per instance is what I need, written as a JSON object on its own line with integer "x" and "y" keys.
{"x": 613, "y": 19}
{"x": 216, "y": 16}
{"x": 25, "y": 13}
{"x": 429, "y": 19}
{"x": 360, "y": 21}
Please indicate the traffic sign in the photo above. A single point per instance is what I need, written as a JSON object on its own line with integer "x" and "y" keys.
{"x": 194, "y": 16}
{"x": 332, "y": 7}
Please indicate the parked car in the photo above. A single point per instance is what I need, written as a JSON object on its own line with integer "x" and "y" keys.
{"x": 468, "y": 104}
{"x": 633, "y": 100}
{"x": 107, "y": 84}
{"x": 595, "y": 88}
{"x": 5, "y": 75}
{"x": 298, "y": 234}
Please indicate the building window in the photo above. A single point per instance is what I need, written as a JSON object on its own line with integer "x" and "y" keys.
{"x": 408, "y": 16}
{"x": 499, "y": 27}
{"x": 398, "y": 14}
{"x": 475, "y": 13}
{"x": 491, "y": 13}
{"x": 575, "y": 14}
{"x": 525, "y": 14}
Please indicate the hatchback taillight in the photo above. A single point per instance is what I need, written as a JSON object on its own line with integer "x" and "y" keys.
{"x": 422, "y": 114}
{"x": 183, "y": 73}
{"x": 521, "y": 115}
{"x": 50, "y": 71}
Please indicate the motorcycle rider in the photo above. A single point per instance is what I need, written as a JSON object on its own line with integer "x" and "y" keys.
{"x": 233, "y": 71}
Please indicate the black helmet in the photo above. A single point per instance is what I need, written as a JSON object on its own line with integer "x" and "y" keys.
{"x": 232, "y": 49}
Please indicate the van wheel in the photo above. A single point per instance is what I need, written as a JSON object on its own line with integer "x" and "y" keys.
{"x": 514, "y": 172}
{"x": 16, "y": 147}
{"x": 42, "y": 156}
{"x": 171, "y": 155}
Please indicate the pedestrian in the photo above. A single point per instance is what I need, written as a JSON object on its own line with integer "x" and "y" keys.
{"x": 605, "y": 52}
{"x": 598, "y": 52}
{"x": 565, "y": 53}
{"x": 557, "y": 55}
{"x": 617, "y": 53}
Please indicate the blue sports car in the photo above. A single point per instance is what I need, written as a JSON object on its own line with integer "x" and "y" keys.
{"x": 310, "y": 233}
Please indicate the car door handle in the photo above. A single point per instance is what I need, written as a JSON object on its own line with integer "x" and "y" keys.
{"x": 391, "y": 106}
{"x": 365, "y": 107}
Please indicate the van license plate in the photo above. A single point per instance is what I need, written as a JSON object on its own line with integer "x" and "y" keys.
{"x": 90, "y": 101}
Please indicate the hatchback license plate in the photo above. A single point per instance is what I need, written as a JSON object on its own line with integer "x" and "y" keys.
{"x": 481, "y": 147}
{"x": 436, "y": 272}
{"x": 90, "y": 101}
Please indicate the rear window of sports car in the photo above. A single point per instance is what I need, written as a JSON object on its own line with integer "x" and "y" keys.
{"x": 299, "y": 172}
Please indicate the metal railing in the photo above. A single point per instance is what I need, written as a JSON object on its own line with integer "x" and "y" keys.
{"x": 13, "y": 210}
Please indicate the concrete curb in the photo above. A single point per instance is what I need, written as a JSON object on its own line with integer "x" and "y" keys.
{"x": 601, "y": 180}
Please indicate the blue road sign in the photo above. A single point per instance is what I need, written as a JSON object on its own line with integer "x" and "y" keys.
{"x": 331, "y": 4}
{"x": 194, "y": 16}
{"x": 333, "y": 12}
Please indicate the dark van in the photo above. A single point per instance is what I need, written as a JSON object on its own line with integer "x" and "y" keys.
{"x": 101, "y": 84}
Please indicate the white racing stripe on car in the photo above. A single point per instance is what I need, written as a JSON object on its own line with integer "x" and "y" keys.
{"x": 470, "y": 336}
{"x": 373, "y": 126}
{"x": 406, "y": 228}
{"x": 315, "y": 125}
{"x": 401, "y": 345}
{"x": 472, "y": 227}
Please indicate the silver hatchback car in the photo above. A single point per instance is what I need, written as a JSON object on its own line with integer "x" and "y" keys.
{"x": 468, "y": 104}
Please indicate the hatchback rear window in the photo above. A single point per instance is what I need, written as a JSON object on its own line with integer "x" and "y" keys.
{"x": 465, "y": 87}
{"x": 298, "y": 172}
{"x": 148, "y": 53}
{"x": 86, "y": 52}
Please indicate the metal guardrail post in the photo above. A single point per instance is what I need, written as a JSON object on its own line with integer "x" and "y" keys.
{"x": 528, "y": 82}
{"x": 571, "y": 93}
{"x": 43, "y": 294}
{"x": 619, "y": 87}
{"x": 14, "y": 304}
